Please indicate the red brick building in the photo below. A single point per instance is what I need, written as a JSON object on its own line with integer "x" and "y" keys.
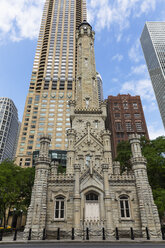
{"x": 125, "y": 116}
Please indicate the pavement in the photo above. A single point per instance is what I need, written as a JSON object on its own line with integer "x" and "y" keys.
{"x": 82, "y": 245}
{"x": 8, "y": 242}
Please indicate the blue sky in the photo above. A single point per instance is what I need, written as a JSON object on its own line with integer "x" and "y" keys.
{"x": 119, "y": 59}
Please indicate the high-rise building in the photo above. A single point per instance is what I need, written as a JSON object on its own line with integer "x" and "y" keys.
{"x": 53, "y": 79}
{"x": 9, "y": 128}
{"x": 100, "y": 87}
{"x": 125, "y": 116}
{"x": 153, "y": 44}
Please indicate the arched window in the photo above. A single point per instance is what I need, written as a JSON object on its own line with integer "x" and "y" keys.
{"x": 59, "y": 207}
{"x": 124, "y": 207}
{"x": 87, "y": 160}
{"x": 91, "y": 197}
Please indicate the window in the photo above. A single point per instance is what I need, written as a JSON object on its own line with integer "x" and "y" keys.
{"x": 87, "y": 102}
{"x": 127, "y": 115}
{"x": 124, "y": 207}
{"x": 88, "y": 158}
{"x": 59, "y": 207}
{"x": 137, "y": 115}
{"x": 118, "y": 126}
{"x": 91, "y": 197}
{"x": 125, "y": 105}
{"x": 135, "y": 106}
{"x": 117, "y": 115}
{"x": 128, "y": 126}
{"x": 138, "y": 126}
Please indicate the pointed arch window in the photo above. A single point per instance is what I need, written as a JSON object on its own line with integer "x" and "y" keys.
{"x": 59, "y": 208}
{"x": 124, "y": 207}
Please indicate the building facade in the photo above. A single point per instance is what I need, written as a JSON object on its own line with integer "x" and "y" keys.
{"x": 153, "y": 45}
{"x": 92, "y": 194}
{"x": 125, "y": 116}
{"x": 9, "y": 128}
{"x": 53, "y": 79}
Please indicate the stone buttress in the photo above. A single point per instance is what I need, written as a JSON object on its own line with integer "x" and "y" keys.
{"x": 148, "y": 210}
{"x": 36, "y": 218}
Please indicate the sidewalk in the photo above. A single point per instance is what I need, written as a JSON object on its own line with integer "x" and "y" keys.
{"x": 9, "y": 240}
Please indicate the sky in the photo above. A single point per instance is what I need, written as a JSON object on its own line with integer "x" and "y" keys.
{"x": 119, "y": 58}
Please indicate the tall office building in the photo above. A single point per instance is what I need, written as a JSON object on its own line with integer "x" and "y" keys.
{"x": 53, "y": 79}
{"x": 125, "y": 117}
{"x": 153, "y": 44}
{"x": 9, "y": 128}
{"x": 100, "y": 87}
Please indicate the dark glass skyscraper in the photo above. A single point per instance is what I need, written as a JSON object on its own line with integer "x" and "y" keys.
{"x": 153, "y": 44}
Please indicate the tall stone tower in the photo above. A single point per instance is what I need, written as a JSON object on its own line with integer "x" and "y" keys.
{"x": 93, "y": 193}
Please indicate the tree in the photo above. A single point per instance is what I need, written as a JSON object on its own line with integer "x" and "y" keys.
{"x": 15, "y": 187}
{"x": 154, "y": 152}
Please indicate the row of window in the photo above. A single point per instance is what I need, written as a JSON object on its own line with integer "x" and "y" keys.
{"x": 116, "y": 105}
{"x": 60, "y": 208}
{"x": 129, "y": 126}
{"x": 127, "y": 115}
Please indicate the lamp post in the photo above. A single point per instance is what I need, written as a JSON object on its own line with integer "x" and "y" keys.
{"x": 14, "y": 209}
{"x": 21, "y": 212}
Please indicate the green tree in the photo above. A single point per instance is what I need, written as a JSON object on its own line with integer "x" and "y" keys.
{"x": 15, "y": 187}
{"x": 124, "y": 154}
{"x": 154, "y": 152}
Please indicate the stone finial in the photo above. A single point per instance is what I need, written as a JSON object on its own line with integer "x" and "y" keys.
{"x": 54, "y": 167}
{"x": 44, "y": 145}
{"x": 105, "y": 167}
{"x": 103, "y": 107}
{"x": 116, "y": 168}
{"x": 77, "y": 167}
{"x": 72, "y": 103}
{"x": 135, "y": 145}
{"x": 105, "y": 133}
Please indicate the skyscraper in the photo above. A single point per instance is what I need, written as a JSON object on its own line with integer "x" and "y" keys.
{"x": 9, "y": 128}
{"x": 53, "y": 78}
{"x": 153, "y": 44}
{"x": 125, "y": 116}
{"x": 100, "y": 87}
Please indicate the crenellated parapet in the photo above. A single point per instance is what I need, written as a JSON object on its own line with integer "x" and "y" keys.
{"x": 88, "y": 111}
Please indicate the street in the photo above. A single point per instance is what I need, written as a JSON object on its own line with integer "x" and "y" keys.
{"x": 80, "y": 245}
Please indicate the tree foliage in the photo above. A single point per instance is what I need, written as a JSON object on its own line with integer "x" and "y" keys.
{"x": 154, "y": 152}
{"x": 15, "y": 187}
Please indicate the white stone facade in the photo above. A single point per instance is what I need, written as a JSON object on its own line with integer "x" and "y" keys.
{"x": 92, "y": 194}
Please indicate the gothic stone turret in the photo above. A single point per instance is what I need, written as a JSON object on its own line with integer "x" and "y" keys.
{"x": 148, "y": 209}
{"x": 36, "y": 218}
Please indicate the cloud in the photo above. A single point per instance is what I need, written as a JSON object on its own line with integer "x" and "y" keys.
{"x": 105, "y": 13}
{"x": 155, "y": 130}
{"x": 20, "y": 19}
{"x": 142, "y": 87}
{"x": 118, "y": 57}
{"x": 140, "y": 69}
{"x": 135, "y": 53}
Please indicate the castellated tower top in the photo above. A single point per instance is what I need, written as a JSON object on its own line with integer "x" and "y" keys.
{"x": 86, "y": 85}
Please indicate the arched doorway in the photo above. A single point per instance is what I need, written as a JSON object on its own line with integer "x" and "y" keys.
{"x": 92, "y": 208}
